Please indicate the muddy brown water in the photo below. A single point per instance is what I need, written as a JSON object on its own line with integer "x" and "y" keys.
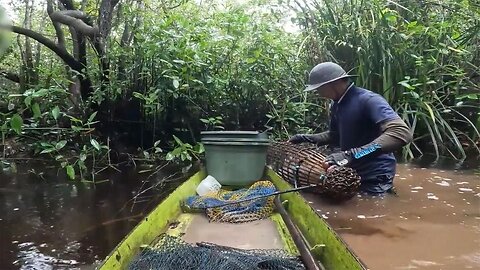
{"x": 433, "y": 223}
{"x": 49, "y": 222}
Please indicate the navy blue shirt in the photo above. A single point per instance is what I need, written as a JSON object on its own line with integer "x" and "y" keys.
{"x": 356, "y": 119}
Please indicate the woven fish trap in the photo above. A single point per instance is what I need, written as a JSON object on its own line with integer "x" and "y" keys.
{"x": 302, "y": 165}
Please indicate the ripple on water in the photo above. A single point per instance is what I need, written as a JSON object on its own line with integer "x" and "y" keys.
{"x": 30, "y": 257}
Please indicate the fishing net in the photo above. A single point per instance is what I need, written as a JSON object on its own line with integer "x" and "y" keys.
{"x": 301, "y": 165}
{"x": 171, "y": 252}
{"x": 228, "y": 206}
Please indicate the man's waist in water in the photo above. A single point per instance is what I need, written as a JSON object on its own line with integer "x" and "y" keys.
{"x": 383, "y": 164}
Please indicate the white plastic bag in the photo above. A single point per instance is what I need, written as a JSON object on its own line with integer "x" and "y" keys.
{"x": 208, "y": 185}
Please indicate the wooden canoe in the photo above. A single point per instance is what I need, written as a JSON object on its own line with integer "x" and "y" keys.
{"x": 325, "y": 245}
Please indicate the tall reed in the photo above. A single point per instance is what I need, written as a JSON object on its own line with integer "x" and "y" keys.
{"x": 421, "y": 56}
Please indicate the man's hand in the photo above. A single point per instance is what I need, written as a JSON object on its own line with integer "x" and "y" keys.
{"x": 339, "y": 159}
{"x": 299, "y": 138}
{"x": 346, "y": 157}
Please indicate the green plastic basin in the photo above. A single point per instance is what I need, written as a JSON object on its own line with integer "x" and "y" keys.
{"x": 235, "y": 158}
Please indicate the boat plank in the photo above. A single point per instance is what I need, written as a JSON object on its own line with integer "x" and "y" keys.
{"x": 259, "y": 234}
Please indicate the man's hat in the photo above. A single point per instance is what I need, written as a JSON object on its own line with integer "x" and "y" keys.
{"x": 324, "y": 73}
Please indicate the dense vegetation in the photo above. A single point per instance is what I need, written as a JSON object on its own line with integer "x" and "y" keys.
{"x": 84, "y": 81}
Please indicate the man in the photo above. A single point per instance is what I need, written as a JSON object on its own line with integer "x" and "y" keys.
{"x": 363, "y": 125}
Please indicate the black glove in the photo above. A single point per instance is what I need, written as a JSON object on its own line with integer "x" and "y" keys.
{"x": 339, "y": 159}
{"x": 318, "y": 139}
{"x": 300, "y": 138}
{"x": 346, "y": 157}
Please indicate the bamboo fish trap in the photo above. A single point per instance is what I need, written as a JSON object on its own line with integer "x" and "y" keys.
{"x": 301, "y": 165}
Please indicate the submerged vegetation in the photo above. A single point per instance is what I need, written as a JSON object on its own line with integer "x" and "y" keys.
{"x": 140, "y": 82}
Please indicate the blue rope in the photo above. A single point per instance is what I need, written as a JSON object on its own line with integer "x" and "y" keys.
{"x": 252, "y": 206}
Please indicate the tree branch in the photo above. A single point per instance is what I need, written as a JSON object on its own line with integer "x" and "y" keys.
{"x": 56, "y": 25}
{"x": 75, "y": 19}
{"x": 61, "y": 52}
{"x": 10, "y": 75}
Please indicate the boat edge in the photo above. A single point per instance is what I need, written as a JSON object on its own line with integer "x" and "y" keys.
{"x": 123, "y": 253}
{"x": 337, "y": 254}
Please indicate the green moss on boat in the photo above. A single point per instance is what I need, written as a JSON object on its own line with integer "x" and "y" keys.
{"x": 334, "y": 253}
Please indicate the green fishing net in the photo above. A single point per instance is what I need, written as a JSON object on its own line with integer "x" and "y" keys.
{"x": 171, "y": 252}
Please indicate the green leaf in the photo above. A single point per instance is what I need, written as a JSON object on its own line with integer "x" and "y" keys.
{"x": 177, "y": 140}
{"x": 199, "y": 148}
{"x": 81, "y": 165}
{"x": 76, "y": 129}
{"x": 83, "y": 157}
{"x": 56, "y": 113}
{"x": 16, "y": 123}
{"x": 176, "y": 83}
{"x": 40, "y": 93}
{"x": 430, "y": 111}
{"x": 138, "y": 95}
{"x": 469, "y": 96}
{"x": 48, "y": 150}
{"x": 406, "y": 85}
{"x": 74, "y": 119}
{"x": 36, "y": 111}
{"x": 28, "y": 101}
{"x": 95, "y": 144}
{"x": 70, "y": 172}
{"x": 178, "y": 61}
{"x": 92, "y": 116}
{"x": 177, "y": 151}
{"x": 169, "y": 156}
{"x": 60, "y": 144}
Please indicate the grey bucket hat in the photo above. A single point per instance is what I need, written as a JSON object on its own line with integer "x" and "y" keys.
{"x": 324, "y": 73}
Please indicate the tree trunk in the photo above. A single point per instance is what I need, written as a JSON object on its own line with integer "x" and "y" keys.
{"x": 28, "y": 60}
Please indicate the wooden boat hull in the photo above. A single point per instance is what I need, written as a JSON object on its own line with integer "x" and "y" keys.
{"x": 327, "y": 246}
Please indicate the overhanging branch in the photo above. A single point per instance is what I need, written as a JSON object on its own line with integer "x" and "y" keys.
{"x": 61, "y": 52}
{"x": 75, "y": 19}
{"x": 56, "y": 25}
{"x": 10, "y": 75}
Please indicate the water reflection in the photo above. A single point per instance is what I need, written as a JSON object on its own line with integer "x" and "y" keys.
{"x": 53, "y": 223}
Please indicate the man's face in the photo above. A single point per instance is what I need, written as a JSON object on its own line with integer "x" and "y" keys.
{"x": 326, "y": 91}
